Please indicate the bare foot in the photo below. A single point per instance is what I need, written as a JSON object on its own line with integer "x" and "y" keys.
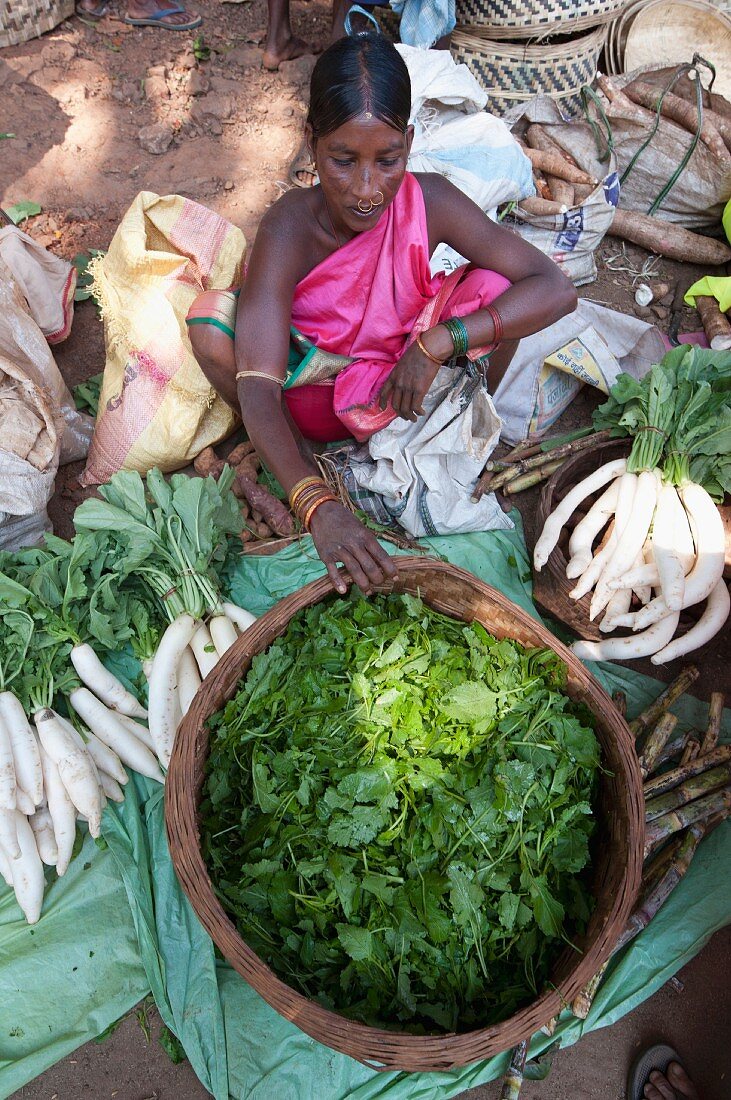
{"x": 152, "y": 9}
{"x": 94, "y": 9}
{"x": 286, "y": 50}
{"x": 676, "y": 1085}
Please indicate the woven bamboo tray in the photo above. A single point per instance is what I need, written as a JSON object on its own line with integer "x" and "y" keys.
{"x": 21, "y": 20}
{"x": 617, "y": 857}
{"x": 536, "y": 18}
{"x": 512, "y": 72}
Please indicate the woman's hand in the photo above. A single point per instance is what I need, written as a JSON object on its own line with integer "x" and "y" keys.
{"x": 408, "y": 383}
{"x": 340, "y": 537}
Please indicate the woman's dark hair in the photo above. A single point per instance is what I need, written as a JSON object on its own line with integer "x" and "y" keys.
{"x": 359, "y": 73}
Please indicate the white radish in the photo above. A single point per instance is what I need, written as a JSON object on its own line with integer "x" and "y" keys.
{"x": 583, "y": 535}
{"x": 7, "y": 770}
{"x": 163, "y": 685}
{"x": 24, "y": 802}
{"x": 75, "y": 766}
{"x": 238, "y": 615}
{"x": 669, "y": 516}
{"x": 188, "y": 679}
{"x": 618, "y": 604}
{"x": 5, "y": 867}
{"x": 632, "y": 647}
{"x": 637, "y": 577}
{"x": 643, "y": 592}
{"x": 111, "y": 787}
{"x": 42, "y": 827}
{"x": 62, "y": 811}
{"x": 147, "y": 667}
{"x": 104, "y": 683}
{"x": 140, "y": 732}
{"x": 710, "y": 540}
{"x": 709, "y": 624}
{"x": 28, "y": 774}
{"x": 8, "y": 833}
{"x": 591, "y": 575}
{"x": 110, "y": 728}
{"x": 106, "y": 759}
{"x": 631, "y": 538}
{"x": 203, "y": 648}
{"x": 554, "y": 523}
{"x": 223, "y": 633}
{"x": 27, "y": 870}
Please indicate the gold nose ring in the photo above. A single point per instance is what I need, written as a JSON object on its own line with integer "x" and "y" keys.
{"x": 380, "y": 201}
{"x": 363, "y": 208}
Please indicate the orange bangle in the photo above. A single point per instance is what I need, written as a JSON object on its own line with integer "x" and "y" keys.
{"x": 302, "y": 486}
{"x": 427, "y": 353}
{"x": 324, "y": 499}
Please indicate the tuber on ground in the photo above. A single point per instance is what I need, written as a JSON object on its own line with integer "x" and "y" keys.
{"x": 538, "y": 138}
{"x": 541, "y": 206}
{"x": 561, "y": 190}
{"x": 240, "y": 452}
{"x": 275, "y": 514}
{"x": 666, "y": 239}
{"x": 715, "y": 323}
{"x": 555, "y": 164}
{"x": 208, "y": 464}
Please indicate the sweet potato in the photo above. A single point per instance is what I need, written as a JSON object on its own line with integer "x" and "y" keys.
{"x": 666, "y": 239}
{"x": 274, "y": 513}
{"x": 240, "y": 451}
{"x": 678, "y": 110}
{"x": 208, "y": 464}
{"x": 249, "y": 467}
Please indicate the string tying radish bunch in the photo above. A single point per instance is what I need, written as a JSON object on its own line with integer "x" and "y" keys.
{"x": 662, "y": 541}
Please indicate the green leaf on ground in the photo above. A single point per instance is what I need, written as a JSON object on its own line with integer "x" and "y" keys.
{"x": 21, "y": 211}
{"x": 172, "y": 1046}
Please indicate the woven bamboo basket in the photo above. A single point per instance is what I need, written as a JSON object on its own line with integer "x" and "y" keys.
{"x": 512, "y": 72}
{"x": 617, "y": 858}
{"x": 21, "y": 20}
{"x": 536, "y": 18}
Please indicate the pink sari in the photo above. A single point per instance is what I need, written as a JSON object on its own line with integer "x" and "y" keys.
{"x": 370, "y": 299}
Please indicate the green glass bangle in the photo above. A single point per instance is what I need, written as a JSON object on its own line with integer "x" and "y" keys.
{"x": 456, "y": 329}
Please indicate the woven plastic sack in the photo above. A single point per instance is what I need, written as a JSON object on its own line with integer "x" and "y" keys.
{"x": 156, "y": 407}
{"x": 702, "y": 186}
{"x": 570, "y": 239}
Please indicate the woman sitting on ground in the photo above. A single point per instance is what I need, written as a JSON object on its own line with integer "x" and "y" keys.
{"x": 343, "y": 269}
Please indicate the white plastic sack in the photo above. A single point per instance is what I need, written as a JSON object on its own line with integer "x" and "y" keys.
{"x": 570, "y": 239}
{"x": 47, "y": 282}
{"x": 592, "y": 346}
{"x": 456, "y": 137}
{"x": 425, "y": 471}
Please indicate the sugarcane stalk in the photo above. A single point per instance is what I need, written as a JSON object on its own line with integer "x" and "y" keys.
{"x": 719, "y": 802}
{"x": 522, "y": 461}
{"x": 713, "y": 729}
{"x": 533, "y": 477}
{"x": 619, "y": 698}
{"x": 524, "y": 449}
{"x": 674, "y": 863}
{"x": 690, "y": 752}
{"x": 513, "y": 1081}
{"x": 657, "y": 739}
{"x": 673, "y": 691}
{"x": 549, "y": 1027}
{"x": 662, "y": 783}
{"x": 672, "y": 750}
{"x": 703, "y": 783}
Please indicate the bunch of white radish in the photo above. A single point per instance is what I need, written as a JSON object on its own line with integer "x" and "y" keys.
{"x": 662, "y": 548}
{"x": 188, "y": 650}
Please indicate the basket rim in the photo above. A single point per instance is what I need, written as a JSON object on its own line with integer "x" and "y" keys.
{"x": 481, "y": 42}
{"x": 181, "y": 824}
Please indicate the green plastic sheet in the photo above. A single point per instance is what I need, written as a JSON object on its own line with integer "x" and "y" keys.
{"x": 144, "y": 934}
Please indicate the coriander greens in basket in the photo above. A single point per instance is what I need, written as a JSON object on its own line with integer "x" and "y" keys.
{"x": 396, "y": 812}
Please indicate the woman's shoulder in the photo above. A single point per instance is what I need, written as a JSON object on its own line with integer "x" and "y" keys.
{"x": 289, "y": 214}
{"x": 435, "y": 187}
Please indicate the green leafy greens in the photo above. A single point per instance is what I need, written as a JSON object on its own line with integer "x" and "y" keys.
{"x": 679, "y": 416}
{"x": 396, "y": 811}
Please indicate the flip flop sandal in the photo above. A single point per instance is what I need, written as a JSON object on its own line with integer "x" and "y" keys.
{"x": 657, "y": 1057}
{"x": 96, "y": 13}
{"x": 157, "y": 19}
{"x": 302, "y": 171}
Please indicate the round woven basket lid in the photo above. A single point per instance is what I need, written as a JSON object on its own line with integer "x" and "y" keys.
{"x": 669, "y": 32}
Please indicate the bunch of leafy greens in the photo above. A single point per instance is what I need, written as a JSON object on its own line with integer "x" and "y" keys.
{"x": 679, "y": 416}
{"x": 396, "y": 810}
{"x": 170, "y": 536}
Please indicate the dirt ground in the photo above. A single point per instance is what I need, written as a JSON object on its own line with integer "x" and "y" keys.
{"x": 99, "y": 112}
